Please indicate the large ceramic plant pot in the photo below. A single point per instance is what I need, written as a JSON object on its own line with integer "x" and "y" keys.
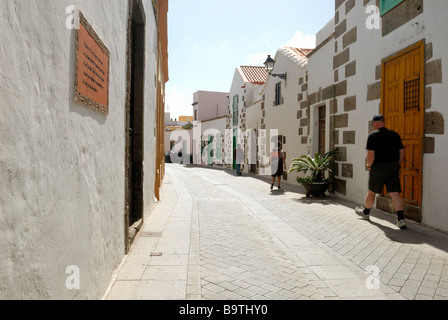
{"x": 316, "y": 189}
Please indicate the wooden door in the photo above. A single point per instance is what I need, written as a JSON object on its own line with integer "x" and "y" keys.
{"x": 402, "y": 104}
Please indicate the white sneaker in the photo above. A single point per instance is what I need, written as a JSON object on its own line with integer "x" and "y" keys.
{"x": 401, "y": 224}
{"x": 360, "y": 212}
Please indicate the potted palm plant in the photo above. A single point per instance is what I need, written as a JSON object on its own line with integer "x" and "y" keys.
{"x": 315, "y": 184}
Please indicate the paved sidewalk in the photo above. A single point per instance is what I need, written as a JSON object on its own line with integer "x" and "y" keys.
{"x": 216, "y": 236}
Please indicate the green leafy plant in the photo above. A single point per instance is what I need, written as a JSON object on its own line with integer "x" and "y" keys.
{"x": 317, "y": 166}
{"x": 189, "y": 125}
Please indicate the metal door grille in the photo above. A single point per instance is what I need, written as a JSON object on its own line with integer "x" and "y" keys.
{"x": 412, "y": 94}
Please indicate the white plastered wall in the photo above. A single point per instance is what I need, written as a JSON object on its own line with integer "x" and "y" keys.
{"x": 284, "y": 116}
{"x": 62, "y": 164}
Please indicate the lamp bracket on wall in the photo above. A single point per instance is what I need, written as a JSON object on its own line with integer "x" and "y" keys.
{"x": 281, "y": 75}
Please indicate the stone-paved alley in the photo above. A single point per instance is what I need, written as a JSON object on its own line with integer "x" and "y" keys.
{"x": 217, "y": 236}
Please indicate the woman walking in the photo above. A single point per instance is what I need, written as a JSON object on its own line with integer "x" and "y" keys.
{"x": 277, "y": 162}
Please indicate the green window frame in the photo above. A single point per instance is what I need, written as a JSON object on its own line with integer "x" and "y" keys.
{"x": 387, "y": 5}
{"x": 235, "y": 110}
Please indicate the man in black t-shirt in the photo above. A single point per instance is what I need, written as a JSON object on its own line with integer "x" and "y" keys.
{"x": 385, "y": 153}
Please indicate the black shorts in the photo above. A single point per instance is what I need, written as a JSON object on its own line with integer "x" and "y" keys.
{"x": 385, "y": 174}
{"x": 277, "y": 169}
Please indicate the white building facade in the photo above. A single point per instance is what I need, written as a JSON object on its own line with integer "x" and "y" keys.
{"x": 285, "y": 116}
{"x": 245, "y": 93}
{"x": 384, "y": 57}
{"x": 374, "y": 56}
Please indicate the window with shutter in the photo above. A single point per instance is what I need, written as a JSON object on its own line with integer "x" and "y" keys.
{"x": 278, "y": 94}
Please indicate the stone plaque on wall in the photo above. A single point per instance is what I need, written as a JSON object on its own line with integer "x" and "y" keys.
{"x": 92, "y": 69}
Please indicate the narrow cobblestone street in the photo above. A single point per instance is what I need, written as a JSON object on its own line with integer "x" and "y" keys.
{"x": 216, "y": 236}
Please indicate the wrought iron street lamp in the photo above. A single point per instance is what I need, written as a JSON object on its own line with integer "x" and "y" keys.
{"x": 269, "y": 65}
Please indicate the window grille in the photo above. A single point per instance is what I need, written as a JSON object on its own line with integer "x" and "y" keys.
{"x": 412, "y": 95}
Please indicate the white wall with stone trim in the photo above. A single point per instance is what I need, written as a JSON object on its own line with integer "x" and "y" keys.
{"x": 369, "y": 50}
{"x": 283, "y": 117}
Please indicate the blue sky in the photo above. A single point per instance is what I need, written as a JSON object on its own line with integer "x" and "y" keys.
{"x": 209, "y": 39}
